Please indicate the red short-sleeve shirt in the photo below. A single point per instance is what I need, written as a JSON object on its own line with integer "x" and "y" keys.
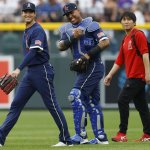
{"x": 134, "y": 65}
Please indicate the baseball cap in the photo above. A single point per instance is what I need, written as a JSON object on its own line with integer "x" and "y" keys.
{"x": 69, "y": 7}
{"x": 131, "y": 15}
{"x": 28, "y": 6}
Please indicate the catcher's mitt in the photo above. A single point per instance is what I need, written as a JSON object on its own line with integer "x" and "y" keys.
{"x": 8, "y": 83}
{"x": 80, "y": 65}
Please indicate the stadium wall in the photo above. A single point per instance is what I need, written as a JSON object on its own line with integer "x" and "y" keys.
{"x": 11, "y": 38}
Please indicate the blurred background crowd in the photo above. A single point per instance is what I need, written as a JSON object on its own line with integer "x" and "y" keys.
{"x": 51, "y": 11}
{"x": 100, "y": 10}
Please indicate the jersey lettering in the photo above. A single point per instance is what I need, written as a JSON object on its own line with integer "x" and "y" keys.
{"x": 130, "y": 45}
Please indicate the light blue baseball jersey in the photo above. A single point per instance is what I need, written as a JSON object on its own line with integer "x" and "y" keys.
{"x": 92, "y": 34}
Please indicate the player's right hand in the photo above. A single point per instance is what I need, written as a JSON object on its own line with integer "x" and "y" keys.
{"x": 147, "y": 78}
{"x": 107, "y": 80}
{"x": 15, "y": 73}
{"x": 77, "y": 33}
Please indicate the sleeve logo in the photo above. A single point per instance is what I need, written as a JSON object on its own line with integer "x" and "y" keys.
{"x": 100, "y": 34}
{"x": 38, "y": 42}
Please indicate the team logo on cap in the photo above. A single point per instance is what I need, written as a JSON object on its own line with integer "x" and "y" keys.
{"x": 29, "y": 5}
{"x": 66, "y": 8}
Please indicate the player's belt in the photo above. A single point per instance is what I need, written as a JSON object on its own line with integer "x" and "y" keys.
{"x": 35, "y": 65}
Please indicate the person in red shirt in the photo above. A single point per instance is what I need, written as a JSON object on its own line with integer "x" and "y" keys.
{"x": 138, "y": 75}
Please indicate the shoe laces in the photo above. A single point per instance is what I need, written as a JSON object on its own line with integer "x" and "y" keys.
{"x": 145, "y": 138}
{"x": 121, "y": 134}
{"x": 95, "y": 140}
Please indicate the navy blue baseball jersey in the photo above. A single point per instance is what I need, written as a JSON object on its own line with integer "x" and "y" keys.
{"x": 34, "y": 43}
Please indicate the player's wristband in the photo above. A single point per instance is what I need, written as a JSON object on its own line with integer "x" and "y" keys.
{"x": 67, "y": 43}
{"x": 94, "y": 51}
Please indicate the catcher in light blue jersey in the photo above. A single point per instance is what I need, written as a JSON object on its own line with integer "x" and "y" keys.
{"x": 86, "y": 40}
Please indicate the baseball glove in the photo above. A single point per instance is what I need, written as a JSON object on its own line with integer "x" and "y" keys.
{"x": 80, "y": 65}
{"x": 8, "y": 83}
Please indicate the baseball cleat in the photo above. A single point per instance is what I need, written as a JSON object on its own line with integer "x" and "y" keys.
{"x": 144, "y": 138}
{"x": 77, "y": 139}
{"x": 61, "y": 144}
{"x": 120, "y": 137}
{"x": 102, "y": 139}
{"x": 97, "y": 141}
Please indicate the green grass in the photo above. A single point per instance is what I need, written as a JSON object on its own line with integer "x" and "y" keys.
{"x": 36, "y": 130}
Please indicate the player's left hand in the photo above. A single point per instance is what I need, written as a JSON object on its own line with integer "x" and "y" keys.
{"x": 80, "y": 65}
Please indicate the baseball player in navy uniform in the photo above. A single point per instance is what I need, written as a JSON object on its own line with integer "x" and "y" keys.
{"x": 86, "y": 40}
{"x": 39, "y": 77}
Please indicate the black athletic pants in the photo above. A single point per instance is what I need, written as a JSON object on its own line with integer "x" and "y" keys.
{"x": 134, "y": 89}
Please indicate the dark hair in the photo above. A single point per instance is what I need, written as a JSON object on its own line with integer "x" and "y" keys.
{"x": 131, "y": 15}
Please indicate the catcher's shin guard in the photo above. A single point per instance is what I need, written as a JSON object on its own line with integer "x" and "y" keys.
{"x": 96, "y": 118}
{"x": 79, "y": 113}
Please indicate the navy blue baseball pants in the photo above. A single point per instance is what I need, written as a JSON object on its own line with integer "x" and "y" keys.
{"x": 37, "y": 78}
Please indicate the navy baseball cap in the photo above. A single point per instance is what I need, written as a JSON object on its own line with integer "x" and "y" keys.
{"x": 69, "y": 8}
{"x": 28, "y": 6}
{"x": 129, "y": 14}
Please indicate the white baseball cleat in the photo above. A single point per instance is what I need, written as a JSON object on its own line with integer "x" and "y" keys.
{"x": 59, "y": 144}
